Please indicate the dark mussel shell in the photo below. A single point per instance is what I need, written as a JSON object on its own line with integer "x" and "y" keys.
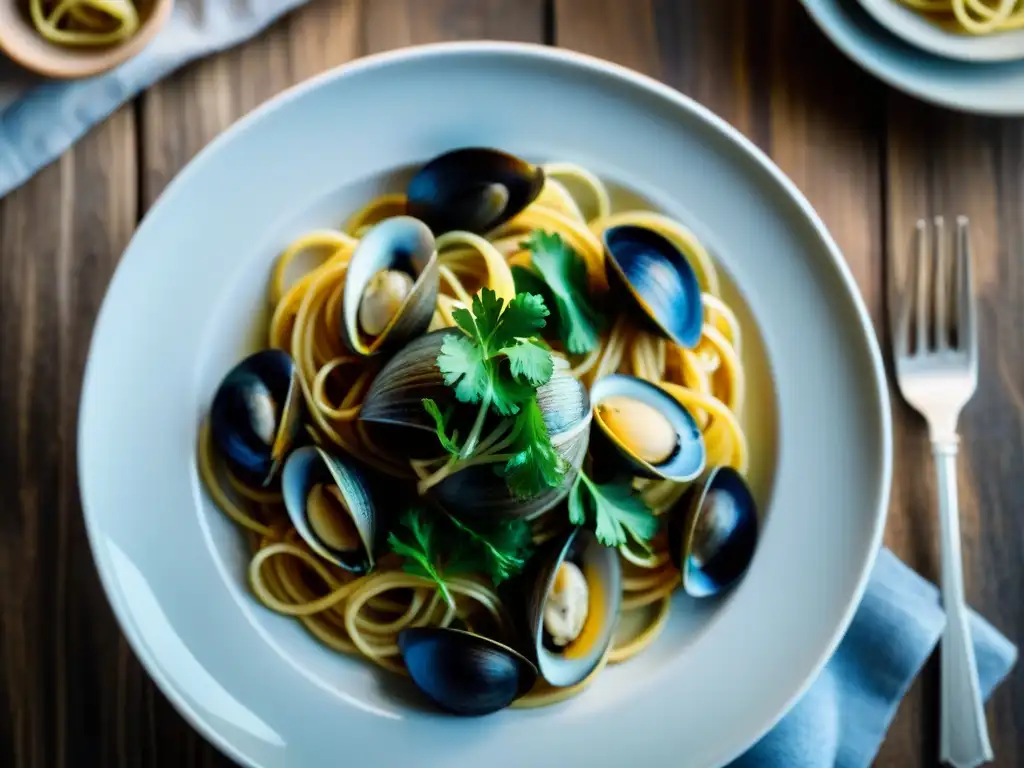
{"x": 475, "y": 189}
{"x": 310, "y": 465}
{"x": 256, "y": 415}
{"x": 403, "y": 244}
{"x": 689, "y": 455}
{"x": 603, "y": 571}
{"x": 649, "y": 272}
{"x": 713, "y": 532}
{"x": 480, "y": 491}
{"x": 464, "y": 673}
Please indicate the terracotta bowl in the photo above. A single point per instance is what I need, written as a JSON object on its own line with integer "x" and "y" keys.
{"x": 20, "y": 40}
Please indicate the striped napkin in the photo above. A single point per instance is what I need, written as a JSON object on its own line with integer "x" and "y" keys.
{"x": 842, "y": 719}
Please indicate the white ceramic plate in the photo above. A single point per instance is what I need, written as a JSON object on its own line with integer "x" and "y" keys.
{"x": 918, "y": 30}
{"x": 180, "y": 311}
{"x": 995, "y": 88}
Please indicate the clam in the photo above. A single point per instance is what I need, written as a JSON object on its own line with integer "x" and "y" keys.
{"x": 652, "y": 276}
{"x": 256, "y": 415}
{"x": 644, "y": 430}
{"x": 393, "y": 419}
{"x": 464, "y": 673}
{"x": 329, "y": 503}
{"x": 713, "y": 532}
{"x": 392, "y": 415}
{"x": 573, "y": 606}
{"x": 479, "y": 491}
{"x": 390, "y": 286}
{"x": 475, "y": 189}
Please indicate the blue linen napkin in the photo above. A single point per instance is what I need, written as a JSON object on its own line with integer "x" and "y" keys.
{"x": 842, "y": 718}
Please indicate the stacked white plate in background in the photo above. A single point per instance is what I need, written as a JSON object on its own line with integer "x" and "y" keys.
{"x": 971, "y": 73}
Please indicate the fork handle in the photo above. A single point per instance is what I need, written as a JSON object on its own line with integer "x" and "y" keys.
{"x": 964, "y": 731}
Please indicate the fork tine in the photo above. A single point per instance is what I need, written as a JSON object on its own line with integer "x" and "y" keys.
{"x": 967, "y": 326}
{"x": 905, "y": 296}
{"x": 941, "y": 276}
{"x": 921, "y": 279}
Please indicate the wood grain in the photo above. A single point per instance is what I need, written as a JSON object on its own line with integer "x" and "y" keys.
{"x": 972, "y": 166}
{"x": 61, "y": 235}
{"x": 870, "y": 161}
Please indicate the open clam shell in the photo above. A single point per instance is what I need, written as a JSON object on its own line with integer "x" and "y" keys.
{"x": 568, "y": 664}
{"x": 643, "y": 429}
{"x": 464, "y": 673}
{"x": 713, "y": 532}
{"x": 474, "y": 189}
{"x": 256, "y": 415}
{"x": 328, "y": 501}
{"x": 648, "y": 272}
{"x": 392, "y": 278}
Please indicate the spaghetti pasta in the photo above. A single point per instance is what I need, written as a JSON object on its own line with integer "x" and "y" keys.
{"x": 974, "y": 17}
{"x": 363, "y": 615}
{"x": 84, "y": 22}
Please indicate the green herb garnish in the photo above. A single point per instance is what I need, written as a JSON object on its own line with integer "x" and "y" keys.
{"x": 473, "y": 363}
{"x": 565, "y": 274}
{"x": 422, "y": 548}
{"x": 535, "y": 465}
{"x": 617, "y": 511}
{"x": 500, "y": 550}
{"x": 436, "y": 546}
{"x": 498, "y": 362}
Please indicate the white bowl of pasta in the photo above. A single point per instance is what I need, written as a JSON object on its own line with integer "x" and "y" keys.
{"x": 279, "y": 577}
{"x": 80, "y": 38}
{"x": 968, "y": 30}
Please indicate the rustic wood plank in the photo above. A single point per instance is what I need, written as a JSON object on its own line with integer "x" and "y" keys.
{"x": 395, "y": 23}
{"x": 941, "y": 163}
{"x": 61, "y": 235}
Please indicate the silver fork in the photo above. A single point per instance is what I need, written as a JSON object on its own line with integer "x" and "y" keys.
{"x": 936, "y": 354}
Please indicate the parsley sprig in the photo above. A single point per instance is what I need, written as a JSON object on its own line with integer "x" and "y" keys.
{"x": 438, "y": 547}
{"x": 497, "y": 363}
{"x": 617, "y": 512}
{"x": 562, "y": 275}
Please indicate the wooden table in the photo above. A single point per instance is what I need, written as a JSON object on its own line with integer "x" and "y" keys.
{"x": 871, "y": 161}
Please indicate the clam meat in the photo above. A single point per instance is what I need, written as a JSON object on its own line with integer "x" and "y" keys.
{"x": 330, "y": 503}
{"x": 573, "y": 606}
{"x": 390, "y": 286}
{"x": 644, "y": 431}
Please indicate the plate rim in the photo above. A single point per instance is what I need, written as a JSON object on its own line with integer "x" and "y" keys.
{"x": 877, "y": 380}
{"x": 891, "y": 15}
{"x": 898, "y": 82}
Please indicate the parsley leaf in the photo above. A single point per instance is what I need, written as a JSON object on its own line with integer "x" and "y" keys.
{"x": 469, "y": 362}
{"x": 441, "y": 421}
{"x": 501, "y": 549}
{"x": 535, "y": 465}
{"x": 419, "y": 547}
{"x": 617, "y": 511}
{"x": 530, "y": 361}
{"x": 464, "y": 367}
{"x": 523, "y": 317}
{"x": 565, "y": 273}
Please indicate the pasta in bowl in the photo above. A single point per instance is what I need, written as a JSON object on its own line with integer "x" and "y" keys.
{"x": 78, "y": 38}
{"x": 488, "y": 430}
